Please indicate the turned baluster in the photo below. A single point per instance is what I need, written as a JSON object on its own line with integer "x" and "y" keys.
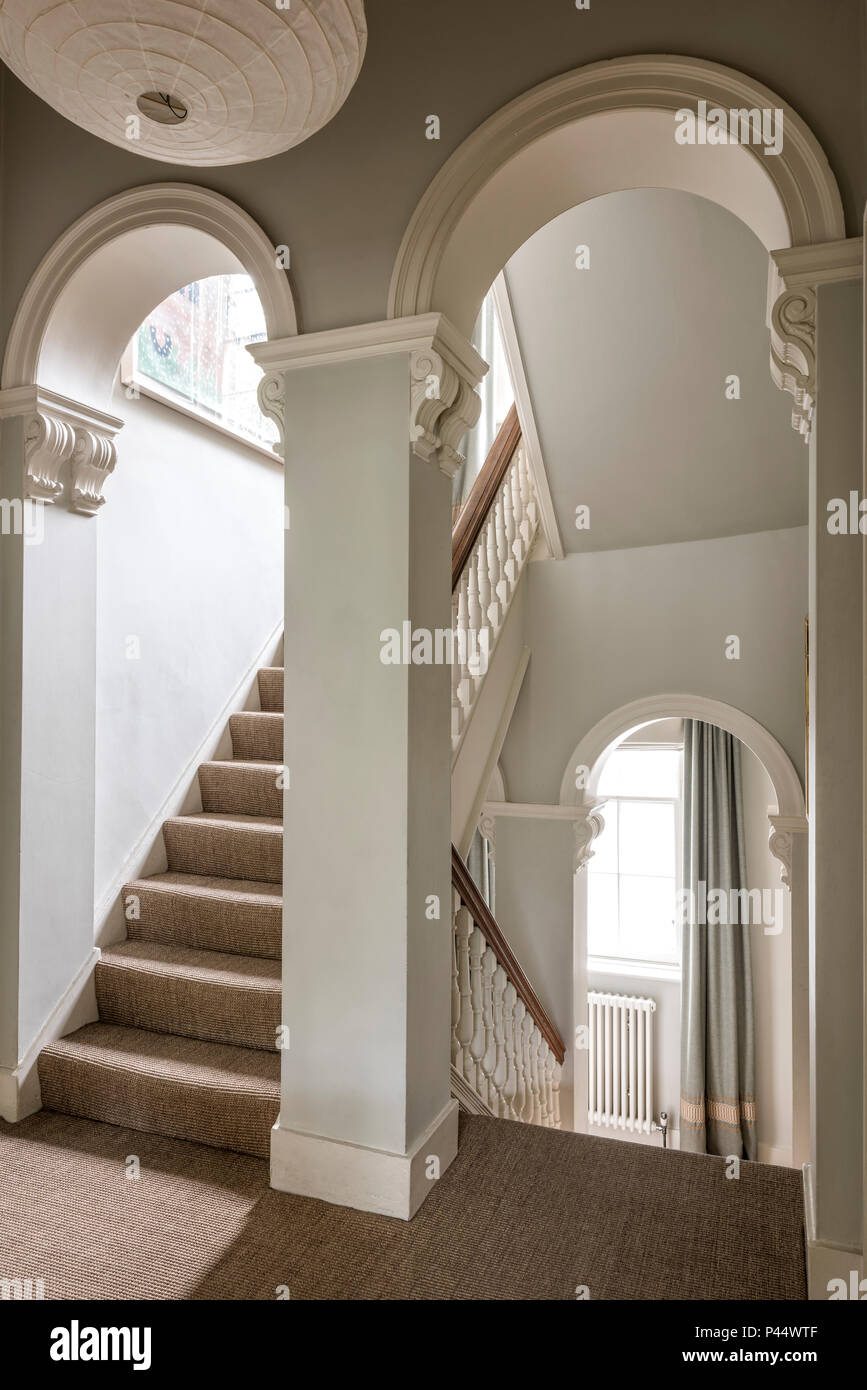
{"x": 550, "y": 1064}
{"x": 500, "y": 1072}
{"x": 528, "y": 490}
{"x": 555, "y": 1090}
{"x": 477, "y": 1043}
{"x": 474, "y": 624}
{"x": 502, "y": 585}
{"x": 519, "y": 549}
{"x": 489, "y": 1057}
{"x": 510, "y": 1085}
{"x": 456, "y": 985}
{"x": 511, "y": 565}
{"x": 462, "y": 648}
{"x": 493, "y": 567}
{"x": 535, "y": 1088}
{"x": 542, "y": 1065}
{"x": 457, "y": 708}
{"x": 520, "y": 1060}
{"x": 463, "y": 928}
{"x": 530, "y": 1102}
{"x": 480, "y": 559}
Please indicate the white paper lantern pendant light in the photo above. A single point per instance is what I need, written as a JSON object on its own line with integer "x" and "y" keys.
{"x": 198, "y": 82}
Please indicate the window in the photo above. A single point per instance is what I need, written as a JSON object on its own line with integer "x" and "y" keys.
{"x": 190, "y": 353}
{"x": 634, "y": 874}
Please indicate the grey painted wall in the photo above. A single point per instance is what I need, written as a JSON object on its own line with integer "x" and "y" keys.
{"x": 612, "y": 626}
{"x": 627, "y": 362}
{"x": 343, "y": 199}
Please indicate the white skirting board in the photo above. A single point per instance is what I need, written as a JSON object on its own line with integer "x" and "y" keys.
{"x": 19, "y": 1086}
{"x": 827, "y": 1262}
{"x": 348, "y": 1175}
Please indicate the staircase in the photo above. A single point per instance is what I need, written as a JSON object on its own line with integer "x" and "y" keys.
{"x": 189, "y": 1004}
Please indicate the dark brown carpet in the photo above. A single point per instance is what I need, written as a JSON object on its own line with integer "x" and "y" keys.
{"x": 524, "y": 1213}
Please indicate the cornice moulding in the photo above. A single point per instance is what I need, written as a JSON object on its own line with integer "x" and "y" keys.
{"x": 825, "y": 263}
{"x": 527, "y": 810}
{"x": 444, "y": 369}
{"x": 417, "y": 333}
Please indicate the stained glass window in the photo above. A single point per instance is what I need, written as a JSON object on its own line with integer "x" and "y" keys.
{"x": 192, "y": 349}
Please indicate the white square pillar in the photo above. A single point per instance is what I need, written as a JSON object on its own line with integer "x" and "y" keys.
{"x": 371, "y": 419}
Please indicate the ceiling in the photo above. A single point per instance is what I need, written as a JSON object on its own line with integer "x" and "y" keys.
{"x": 195, "y": 82}
{"x": 627, "y": 364}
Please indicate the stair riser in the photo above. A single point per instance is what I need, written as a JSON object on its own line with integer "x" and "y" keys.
{"x": 224, "y": 851}
{"x": 271, "y": 690}
{"x": 188, "y": 1008}
{"x": 241, "y": 791}
{"x": 176, "y": 919}
{"x": 230, "y": 1119}
{"x": 257, "y": 737}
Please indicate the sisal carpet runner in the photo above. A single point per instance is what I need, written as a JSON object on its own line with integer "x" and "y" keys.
{"x": 189, "y": 1004}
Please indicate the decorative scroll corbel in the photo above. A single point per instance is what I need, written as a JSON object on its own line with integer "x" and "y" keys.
{"x": 434, "y": 385}
{"x": 588, "y": 825}
{"x": 488, "y": 830}
{"x": 66, "y": 445}
{"x": 48, "y": 445}
{"x": 94, "y": 456}
{"x": 793, "y": 353}
{"x": 271, "y": 395}
{"x": 781, "y": 840}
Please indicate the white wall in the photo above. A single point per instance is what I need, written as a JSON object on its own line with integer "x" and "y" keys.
{"x": 190, "y": 564}
{"x": 613, "y": 626}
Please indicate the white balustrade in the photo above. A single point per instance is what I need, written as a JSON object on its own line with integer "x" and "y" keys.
{"x": 497, "y": 1047}
{"x": 487, "y": 584}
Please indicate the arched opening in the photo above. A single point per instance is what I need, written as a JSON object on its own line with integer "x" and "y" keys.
{"x": 189, "y": 512}
{"x": 601, "y": 130}
{"x": 779, "y": 947}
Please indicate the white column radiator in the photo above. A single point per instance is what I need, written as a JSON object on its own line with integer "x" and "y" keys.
{"x": 620, "y": 1057}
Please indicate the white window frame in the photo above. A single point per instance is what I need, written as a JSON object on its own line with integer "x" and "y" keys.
{"x": 631, "y": 967}
{"x": 164, "y": 395}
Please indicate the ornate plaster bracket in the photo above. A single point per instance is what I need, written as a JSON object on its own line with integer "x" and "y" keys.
{"x": 488, "y": 829}
{"x": 444, "y": 370}
{"x": 271, "y": 394}
{"x": 793, "y": 278}
{"x": 588, "y": 825}
{"x": 781, "y": 835}
{"x": 66, "y": 445}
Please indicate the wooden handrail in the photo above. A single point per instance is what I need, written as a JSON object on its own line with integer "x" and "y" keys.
{"x": 475, "y": 510}
{"x": 478, "y": 909}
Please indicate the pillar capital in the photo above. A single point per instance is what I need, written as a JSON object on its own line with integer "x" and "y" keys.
{"x": 444, "y": 370}
{"x": 795, "y": 274}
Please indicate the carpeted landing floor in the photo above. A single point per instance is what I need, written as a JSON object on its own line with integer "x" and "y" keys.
{"x": 523, "y": 1213}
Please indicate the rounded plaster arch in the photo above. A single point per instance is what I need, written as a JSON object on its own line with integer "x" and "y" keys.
{"x": 107, "y": 271}
{"x": 592, "y": 750}
{"x": 595, "y": 130}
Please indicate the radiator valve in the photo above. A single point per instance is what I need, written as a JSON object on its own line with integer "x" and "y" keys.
{"x": 662, "y": 1126}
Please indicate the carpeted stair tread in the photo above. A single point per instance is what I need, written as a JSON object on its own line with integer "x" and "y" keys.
{"x": 190, "y": 993}
{"x": 206, "y": 1092}
{"x": 257, "y": 736}
{"x": 228, "y": 846}
{"x": 271, "y": 688}
{"x": 234, "y": 915}
{"x": 244, "y": 788}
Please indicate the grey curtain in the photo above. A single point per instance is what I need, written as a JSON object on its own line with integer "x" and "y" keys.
{"x": 717, "y": 1040}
